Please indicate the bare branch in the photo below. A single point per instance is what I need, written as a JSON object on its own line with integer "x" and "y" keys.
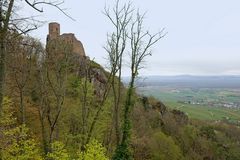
{"x": 35, "y": 5}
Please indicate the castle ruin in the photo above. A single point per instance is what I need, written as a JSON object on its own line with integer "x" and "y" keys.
{"x": 54, "y": 33}
{"x": 79, "y": 60}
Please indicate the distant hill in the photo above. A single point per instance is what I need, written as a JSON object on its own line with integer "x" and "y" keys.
{"x": 190, "y": 81}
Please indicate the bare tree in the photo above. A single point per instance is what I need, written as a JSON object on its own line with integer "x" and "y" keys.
{"x": 57, "y": 70}
{"x": 49, "y": 87}
{"x": 39, "y": 91}
{"x": 116, "y": 46}
{"x": 40, "y": 96}
{"x": 19, "y": 63}
{"x": 141, "y": 42}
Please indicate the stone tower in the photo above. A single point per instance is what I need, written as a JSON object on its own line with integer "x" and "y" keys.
{"x": 54, "y": 31}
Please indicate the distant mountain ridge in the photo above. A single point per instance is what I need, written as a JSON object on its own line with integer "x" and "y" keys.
{"x": 192, "y": 81}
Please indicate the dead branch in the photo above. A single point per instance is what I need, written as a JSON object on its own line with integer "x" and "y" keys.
{"x": 37, "y": 5}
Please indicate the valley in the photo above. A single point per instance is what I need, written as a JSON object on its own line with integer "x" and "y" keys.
{"x": 201, "y": 101}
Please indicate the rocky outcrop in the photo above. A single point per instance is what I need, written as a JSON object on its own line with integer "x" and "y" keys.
{"x": 160, "y": 107}
{"x": 180, "y": 117}
{"x": 99, "y": 80}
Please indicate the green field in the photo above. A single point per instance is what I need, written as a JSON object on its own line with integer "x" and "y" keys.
{"x": 204, "y": 104}
{"x": 205, "y": 112}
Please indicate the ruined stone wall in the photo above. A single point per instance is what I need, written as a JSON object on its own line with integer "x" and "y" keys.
{"x": 54, "y": 32}
{"x": 78, "y": 48}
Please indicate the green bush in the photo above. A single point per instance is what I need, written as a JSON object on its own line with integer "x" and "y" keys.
{"x": 93, "y": 151}
{"x": 58, "y": 152}
{"x": 164, "y": 148}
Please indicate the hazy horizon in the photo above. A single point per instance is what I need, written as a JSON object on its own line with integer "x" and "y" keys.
{"x": 190, "y": 75}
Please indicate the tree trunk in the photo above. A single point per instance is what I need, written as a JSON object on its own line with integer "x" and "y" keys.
{"x": 116, "y": 110}
{"x": 2, "y": 71}
{"x": 118, "y": 133}
{"x": 44, "y": 136}
{"x": 22, "y": 108}
{"x": 128, "y": 105}
{"x": 3, "y": 51}
{"x": 122, "y": 150}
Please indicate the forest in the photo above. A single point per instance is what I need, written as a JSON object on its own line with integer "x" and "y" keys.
{"x": 57, "y": 105}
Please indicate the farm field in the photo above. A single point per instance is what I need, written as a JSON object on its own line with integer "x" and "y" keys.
{"x": 199, "y": 103}
{"x": 207, "y": 113}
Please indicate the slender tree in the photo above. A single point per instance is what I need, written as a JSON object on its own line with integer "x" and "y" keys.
{"x": 86, "y": 99}
{"x": 19, "y": 63}
{"x": 116, "y": 45}
{"x": 57, "y": 70}
{"x": 49, "y": 88}
{"x": 5, "y": 14}
{"x": 141, "y": 42}
{"x": 39, "y": 93}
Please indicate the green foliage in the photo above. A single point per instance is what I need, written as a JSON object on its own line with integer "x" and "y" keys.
{"x": 16, "y": 142}
{"x": 93, "y": 64}
{"x": 163, "y": 147}
{"x": 123, "y": 152}
{"x": 234, "y": 153}
{"x": 58, "y": 152}
{"x": 79, "y": 117}
{"x": 79, "y": 86}
{"x": 20, "y": 146}
{"x": 93, "y": 151}
{"x": 188, "y": 138}
{"x": 6, "y": 118}
{"x": 208, "y": 132}
{"x": 82, "y": 104}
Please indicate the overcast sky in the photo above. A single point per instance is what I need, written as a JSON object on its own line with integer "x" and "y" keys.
{"x": 203, "y": 35}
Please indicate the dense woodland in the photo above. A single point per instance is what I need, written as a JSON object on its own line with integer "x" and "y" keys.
{"x": 56, "y": 105}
